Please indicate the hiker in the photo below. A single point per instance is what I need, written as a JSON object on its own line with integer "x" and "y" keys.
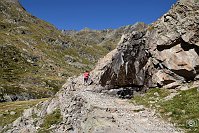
{"x": 86, "y": 77}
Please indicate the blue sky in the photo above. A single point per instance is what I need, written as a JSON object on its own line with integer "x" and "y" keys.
{"x": 97, "y": 14}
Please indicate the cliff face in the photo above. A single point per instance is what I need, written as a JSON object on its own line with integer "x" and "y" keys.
{"x": 173, "y": 44}
{"x": 130, "y": 52}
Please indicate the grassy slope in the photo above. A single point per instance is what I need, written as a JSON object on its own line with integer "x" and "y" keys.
{"x": 49, "y": 120}
{"x": 182, "y": 110}
{"x": 10, "y": 111}
{"x": 33, "y": 54}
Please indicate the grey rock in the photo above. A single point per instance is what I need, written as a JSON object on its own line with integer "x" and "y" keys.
{"x": 156, "y": 94}
{"x": 124, "y": 66}
{"x": 52, "y": 106}
{"x": 172, "y": 85}
{"x": 169, "y": 113}
{"x": 127, "y": 66}
{"x": 174, "y": 42}
{"x": 197, "y": 77}
{"x": 12, "y": 113}
{"x": 28, "y": 112}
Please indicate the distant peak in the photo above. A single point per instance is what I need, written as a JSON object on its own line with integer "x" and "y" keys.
{"x": 86, "y": 29}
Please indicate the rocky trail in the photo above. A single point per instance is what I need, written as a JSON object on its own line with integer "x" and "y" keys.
{"x": 113, "y": 115}
{"x": 83, "y": 110}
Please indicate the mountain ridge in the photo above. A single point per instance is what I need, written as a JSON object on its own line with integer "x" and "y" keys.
{"x": 36, "y": 57}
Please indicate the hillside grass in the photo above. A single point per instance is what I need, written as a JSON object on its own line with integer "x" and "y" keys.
{"x": 17, "y": 108}
{"x": 33, "y": 54}
{"x": 49, "y": 120}
{"x": 182, "y": 110}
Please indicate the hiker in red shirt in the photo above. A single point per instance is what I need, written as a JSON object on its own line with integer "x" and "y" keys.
{"x": 86, "y": 76}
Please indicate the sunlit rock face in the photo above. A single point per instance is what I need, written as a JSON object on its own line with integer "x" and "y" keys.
{"x": 173, "y": 43}
{"x": 165, "y": 54}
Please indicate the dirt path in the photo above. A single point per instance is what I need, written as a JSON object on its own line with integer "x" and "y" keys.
{"x": 84, "y": 111}
{"x": 113, "y": 115}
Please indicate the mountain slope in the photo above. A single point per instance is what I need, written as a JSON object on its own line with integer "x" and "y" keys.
{"x": 107, "y": 38}
{"x": 36, "y": 58}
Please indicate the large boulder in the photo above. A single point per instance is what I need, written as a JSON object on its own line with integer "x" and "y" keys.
{"x": 173, "y": 43}
{"x": 127, "y": 66}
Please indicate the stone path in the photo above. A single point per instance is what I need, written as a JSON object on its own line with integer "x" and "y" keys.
{"x": 86, "y": 111}
{"x": 113, "y": 115}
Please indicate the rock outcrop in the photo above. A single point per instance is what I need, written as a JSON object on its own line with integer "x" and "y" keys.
{"x": 173, "y": 44}
{"x": 120, "y": 70}
{"x": 127, "y": 66}
{"x": 166, "y": 53}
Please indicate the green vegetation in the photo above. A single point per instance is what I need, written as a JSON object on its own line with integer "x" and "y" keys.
{"x": 49, "y": 120}
{"x": 151, "y": 97}
{"x": 182, "y": 109}
{"x": 12, "y": 63}
{"x": 150, "y": 28}
{"x": 196, "y": 1}
{"x": 33, "y": 53}
{"x": 10, "y": 111}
